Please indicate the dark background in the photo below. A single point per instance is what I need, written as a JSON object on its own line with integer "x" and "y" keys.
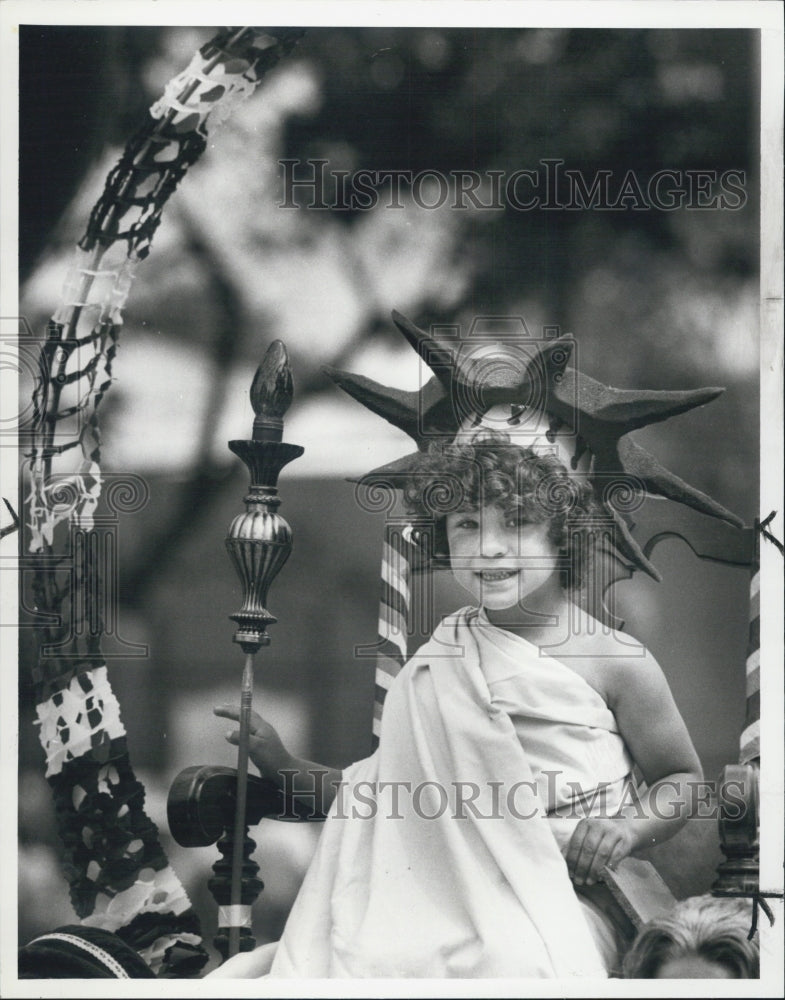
{"x": 655, "y": 299}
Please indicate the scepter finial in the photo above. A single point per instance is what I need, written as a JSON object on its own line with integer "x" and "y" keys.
{"x": 259, "y": 541}
{"x": 271, "y": 393}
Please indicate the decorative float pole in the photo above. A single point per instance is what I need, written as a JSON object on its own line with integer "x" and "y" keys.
{"x": 259, "y": 543}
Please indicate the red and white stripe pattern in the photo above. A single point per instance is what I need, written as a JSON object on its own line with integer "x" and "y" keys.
{"x": 750, "y": 735}
{"x": 392, "y": 648}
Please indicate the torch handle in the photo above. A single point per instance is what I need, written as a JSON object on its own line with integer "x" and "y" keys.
{"x": 246, "y": 697}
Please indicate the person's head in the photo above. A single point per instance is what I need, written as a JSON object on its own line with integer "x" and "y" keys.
{"x": 506, "y": 520}
{"x": 703, "y": 937}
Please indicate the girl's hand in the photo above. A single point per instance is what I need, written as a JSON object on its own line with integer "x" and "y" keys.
{"x": 264, "y": 746}
{"x": 595, "y": 844}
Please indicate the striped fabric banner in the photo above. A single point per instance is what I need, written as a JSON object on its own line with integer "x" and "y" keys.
{"x": 392, "y": 648}
{"x": 750, "y": 735}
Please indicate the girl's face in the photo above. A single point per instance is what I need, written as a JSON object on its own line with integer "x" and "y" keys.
{"x": 500, "y": 558}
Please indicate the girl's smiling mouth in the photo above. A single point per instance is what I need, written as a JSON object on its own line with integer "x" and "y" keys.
{"x": 492, "y": 575}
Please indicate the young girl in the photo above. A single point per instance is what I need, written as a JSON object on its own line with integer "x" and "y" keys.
{"x": 502, "y": 782}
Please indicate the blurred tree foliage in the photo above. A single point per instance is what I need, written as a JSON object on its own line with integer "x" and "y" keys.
{"x": 504, "y": 100}
{"x": 666, "y": 298}
{"x": 446, "y": 100}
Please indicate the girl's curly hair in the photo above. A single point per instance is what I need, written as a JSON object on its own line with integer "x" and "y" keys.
{"x": 491, "y": 470}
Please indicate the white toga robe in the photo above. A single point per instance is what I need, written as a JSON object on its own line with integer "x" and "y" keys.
{"x": 441, "y": 855}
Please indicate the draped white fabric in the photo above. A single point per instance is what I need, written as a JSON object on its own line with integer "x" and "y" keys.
{"x": 437, "y": 860}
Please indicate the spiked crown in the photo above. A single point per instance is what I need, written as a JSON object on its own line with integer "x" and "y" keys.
{"x": 526, "y": 386}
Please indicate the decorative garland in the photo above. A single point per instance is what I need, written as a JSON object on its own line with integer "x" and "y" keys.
{"x": 120, "y": 879}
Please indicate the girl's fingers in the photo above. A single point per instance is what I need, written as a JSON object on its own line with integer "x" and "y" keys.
{"x": 227, "y": 712}
{"x": 595, "y": 845}
{"x": 605, "y": 851}
{"x": 233, "y": 712}
{"x": 254, "y": 742}
{"x": 617, "y": 854}
{"x": 574, "y": 847}
{"x": 584, "y": 867}
{"x": 583, "y": 846}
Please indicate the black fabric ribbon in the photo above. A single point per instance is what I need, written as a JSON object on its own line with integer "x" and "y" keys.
{"x": 759, "y": 900}
{"x": 763, "y": 525}
{"x": 14, "y": 526}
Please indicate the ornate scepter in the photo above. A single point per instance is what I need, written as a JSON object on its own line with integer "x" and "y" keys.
{"x": 259, "y": 543}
